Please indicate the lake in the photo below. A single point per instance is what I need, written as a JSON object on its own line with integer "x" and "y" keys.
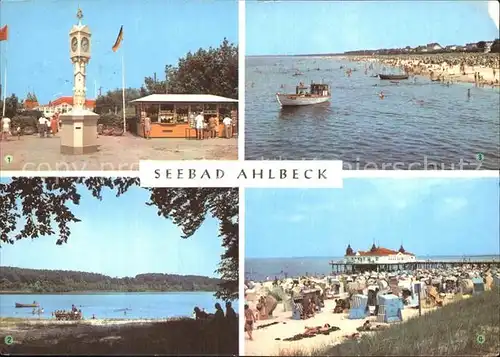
{"x": 142, "y": 305}
{"x": 260, "y": 269}
{"x": 422, "y": 122}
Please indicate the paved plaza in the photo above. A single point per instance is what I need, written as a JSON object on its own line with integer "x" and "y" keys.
{"x": 32, "y": 153}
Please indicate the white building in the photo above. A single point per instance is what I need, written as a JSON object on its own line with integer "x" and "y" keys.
{"x": 63, "y": 105}
{"x": 378, "y": 255}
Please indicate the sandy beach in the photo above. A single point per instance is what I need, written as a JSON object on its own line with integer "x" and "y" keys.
{"x": 265, "y": 343}
{"x": 446, "y": 66}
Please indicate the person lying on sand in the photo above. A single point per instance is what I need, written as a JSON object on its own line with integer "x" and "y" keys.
{"x": 311, "y": 332}
{"x": 316, "y": 330}
{"x": 367, "y": 326}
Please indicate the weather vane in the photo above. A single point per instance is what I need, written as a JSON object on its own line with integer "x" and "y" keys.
{"x": 79, "y": 15}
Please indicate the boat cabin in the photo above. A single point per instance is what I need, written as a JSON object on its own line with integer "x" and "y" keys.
{"x": 321, "y": 90}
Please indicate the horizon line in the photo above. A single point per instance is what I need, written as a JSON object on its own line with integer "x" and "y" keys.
{"x": 341, "y": 256}
{"x": 346, "y": 52}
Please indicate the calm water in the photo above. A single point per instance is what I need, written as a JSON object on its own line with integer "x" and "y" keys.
{"x": 421, "y": 122}
{"x": 140, "y": 305}
{"x": 261, "y": 269}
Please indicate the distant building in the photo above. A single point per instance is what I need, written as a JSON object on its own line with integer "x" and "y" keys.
{"x": 63, "y": 105}
{"x": 434, "y": 46}
{"x": 471, "y": 46}
{"x": 31, "y": 102}
{"x": 451, "y": 47}
{"x": 421, "y": 49}
{"x": 378, "y": 255}
{"x": 487, "y": 47}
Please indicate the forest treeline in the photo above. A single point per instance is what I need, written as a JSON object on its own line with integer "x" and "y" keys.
{"x": 59, "y": 281}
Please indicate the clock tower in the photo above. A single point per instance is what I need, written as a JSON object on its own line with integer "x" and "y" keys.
{"x": 79, "y": 41}
{"x": 79, "y": 126}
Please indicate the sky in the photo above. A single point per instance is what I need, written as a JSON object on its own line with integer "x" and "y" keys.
{"x": 428, "y": 216}
{"x": 311, "y": 27}
{"x": 118, "y": 237}
{"x": 156, "y": 33}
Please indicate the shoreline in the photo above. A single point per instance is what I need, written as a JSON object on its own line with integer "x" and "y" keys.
{"x": 447, "y": 67}
{"x": 100, "y": 292}
{"x": 97, "y": 322}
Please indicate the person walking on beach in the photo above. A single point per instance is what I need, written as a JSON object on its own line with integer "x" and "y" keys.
{"x": 199, "y": 125}
{"x": 249, "y": 321}
{"x": 227, "y": 121}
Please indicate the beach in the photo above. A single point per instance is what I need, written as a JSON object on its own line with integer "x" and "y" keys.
{"x": 450, "y": 67}
{"x": 265, "y": 342}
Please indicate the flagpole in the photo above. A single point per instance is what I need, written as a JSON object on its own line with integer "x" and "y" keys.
{"x": 4, "y": 89}
{"x": 123, "y": 94}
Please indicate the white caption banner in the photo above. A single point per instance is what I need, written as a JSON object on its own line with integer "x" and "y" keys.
{"x": 262, "y": 174}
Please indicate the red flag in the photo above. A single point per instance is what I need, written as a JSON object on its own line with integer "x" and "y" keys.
{"x": 4, "y": 33}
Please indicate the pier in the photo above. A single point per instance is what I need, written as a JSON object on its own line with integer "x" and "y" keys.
{"x": 342, "y": 267}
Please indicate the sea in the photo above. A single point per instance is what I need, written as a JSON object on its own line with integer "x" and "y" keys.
{"x": 261, "y": 269}
{"x": 421, "y": 122}
{"x": 151, "y": 305}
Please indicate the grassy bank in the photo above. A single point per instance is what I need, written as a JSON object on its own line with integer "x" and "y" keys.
{"x": 456, "y": 329}
{"x": 183, "y": 336}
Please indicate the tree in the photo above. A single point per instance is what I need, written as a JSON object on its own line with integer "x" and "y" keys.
{"x": 44, "y": 201}
{"x": 12, "y": 106}
{"x": 112, "y": 101}
{"x": 212, "y": 71}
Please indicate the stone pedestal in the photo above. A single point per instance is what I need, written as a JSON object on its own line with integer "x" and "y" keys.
{"x": 78, "y": 132}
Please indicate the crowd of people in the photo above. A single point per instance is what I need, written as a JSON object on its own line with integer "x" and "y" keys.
{"x": 210, "y": 128}
{"x": 230, "y": 315}
{"x": 45, "y": 126}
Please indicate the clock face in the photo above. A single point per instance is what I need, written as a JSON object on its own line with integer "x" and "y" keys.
{"x": 74, "y": 44}
{"x": 85, "y": 44}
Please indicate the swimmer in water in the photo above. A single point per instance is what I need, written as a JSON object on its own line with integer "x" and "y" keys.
{"x": 381, "y": 95}
{"x": 468, "y": 93}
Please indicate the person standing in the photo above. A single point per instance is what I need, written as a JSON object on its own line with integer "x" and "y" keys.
{"x": 5, "y": 127}
{"x": 199, "y": 125}
{"x": 54, "y": 125}
{"x": 41, "y": 126}
{"x": 147, "y": 127}
{"x": 249, "y": 321}
{"x": 230, "y": 313}
{"x": 227, "y": 121}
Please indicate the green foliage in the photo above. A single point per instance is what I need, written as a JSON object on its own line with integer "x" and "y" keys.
{"x": 177, "y": 337}
{"x": 12, "y": 106}
{"x": 40, "y": 202}
{"x": 450, "y": 331}
{"x": 207, "y": 71}
{"x": 112, "y": 101}
{"x": 45, "y": 281}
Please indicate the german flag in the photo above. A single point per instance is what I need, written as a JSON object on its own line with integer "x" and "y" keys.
{"x": 4, "y": 33}
{"x": 118, "y": 41}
